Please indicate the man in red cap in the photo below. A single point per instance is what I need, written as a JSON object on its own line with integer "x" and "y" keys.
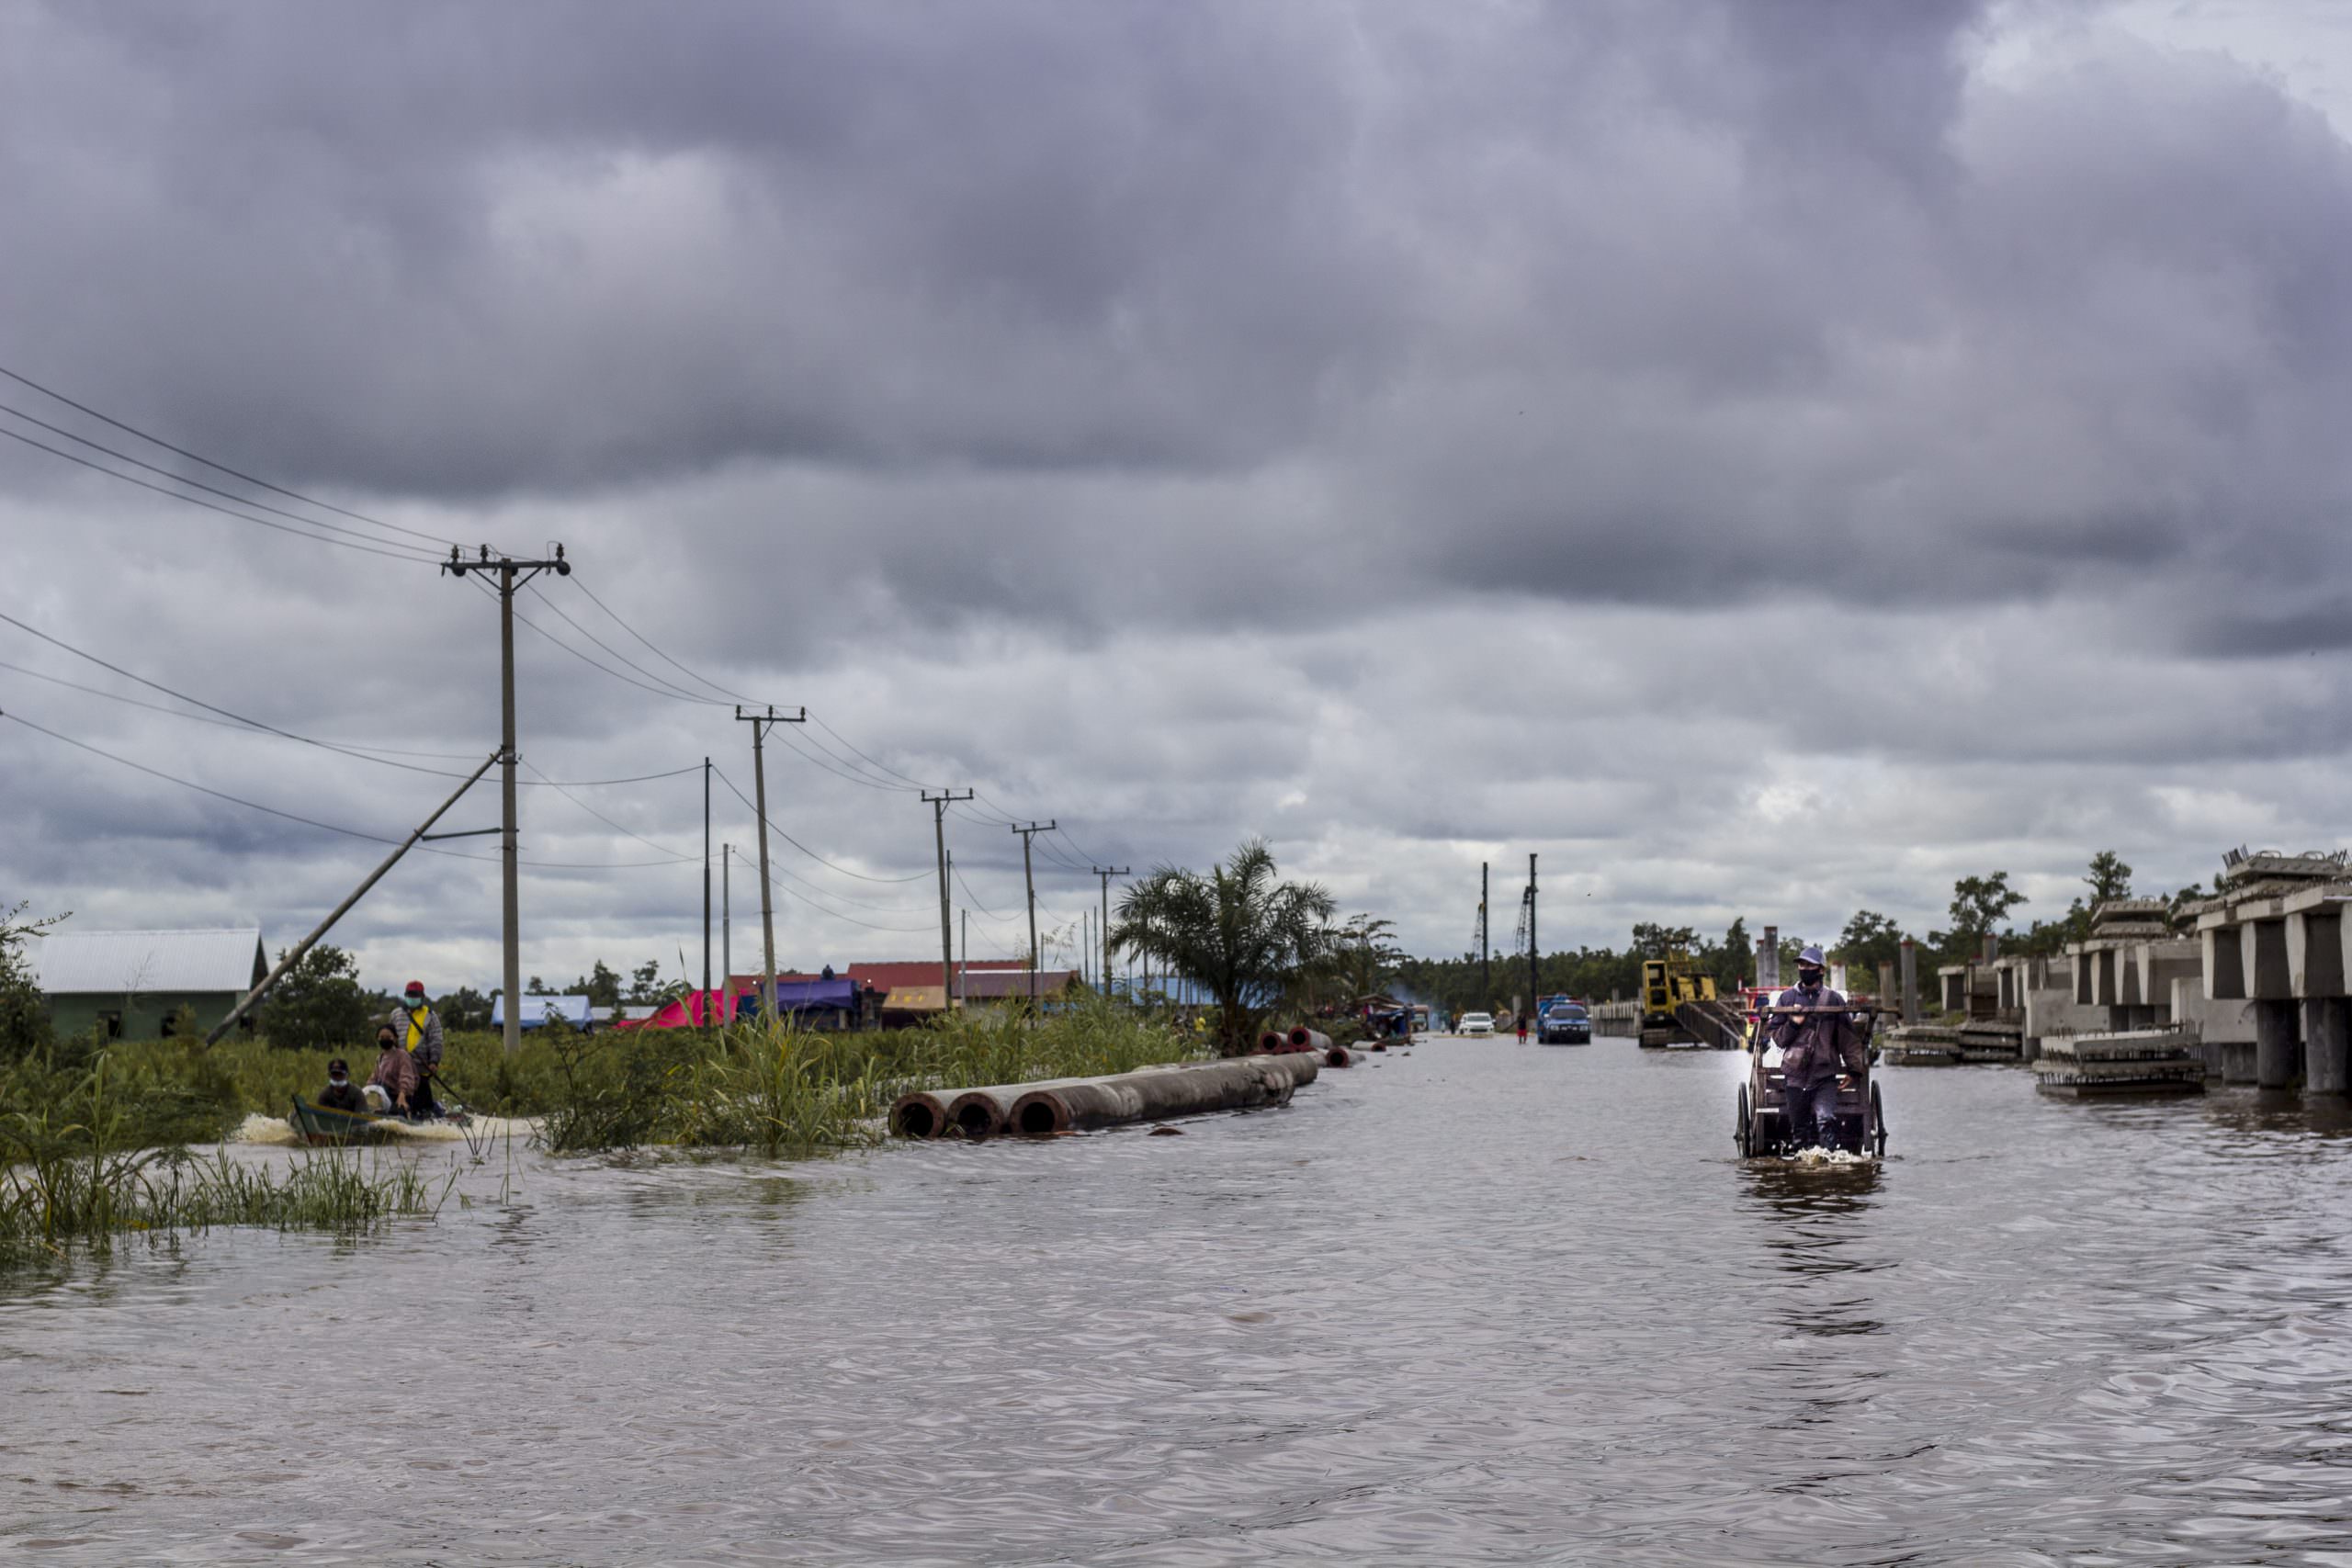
{"x": 419, "y": 1028}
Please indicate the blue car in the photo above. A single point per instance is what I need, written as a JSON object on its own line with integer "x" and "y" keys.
{"x": 1565, "y": 1023}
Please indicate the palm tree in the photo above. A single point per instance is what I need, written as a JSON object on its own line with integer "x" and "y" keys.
{"x": 1238, "y": 932}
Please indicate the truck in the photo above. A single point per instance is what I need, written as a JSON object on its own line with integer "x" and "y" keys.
{"x": 1562, "y": 1021}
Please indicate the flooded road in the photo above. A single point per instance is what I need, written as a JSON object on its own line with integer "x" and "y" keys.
{"x": 1487, "y": 1303}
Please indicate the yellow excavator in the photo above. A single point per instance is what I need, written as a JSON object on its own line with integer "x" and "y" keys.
{"x": 1680, "y": 1007}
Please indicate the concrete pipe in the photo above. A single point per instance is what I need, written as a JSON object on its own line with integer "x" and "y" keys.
{"x": 1337, "y": 1056}
{"x": 923, "y": 1114}
{"x": 1148, "y": 1096}
{"x": 1307, "y": 1039}
{"x": 1271, "y": 1040}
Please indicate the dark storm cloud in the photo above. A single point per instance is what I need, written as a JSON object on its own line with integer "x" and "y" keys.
{"x": 1419, "y": 432}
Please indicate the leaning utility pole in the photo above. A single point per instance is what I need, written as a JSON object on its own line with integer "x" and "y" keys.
{"x": 761, "y": 724}
{"x": 939, "y": 804}
{"x": 511, "y": 897}
{"x": 1531, "y": 992}
{"x": 294, "y": 956}
{"x": 1106, "y": 872}
{"x": 1030, "y": 878}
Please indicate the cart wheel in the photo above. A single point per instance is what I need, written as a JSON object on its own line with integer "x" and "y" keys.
{"x": 1878, "y": 1120}
{"x": 1744, "y": 1135}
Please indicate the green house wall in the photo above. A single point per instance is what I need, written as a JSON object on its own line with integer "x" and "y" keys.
{"x": 145, "y": 1018}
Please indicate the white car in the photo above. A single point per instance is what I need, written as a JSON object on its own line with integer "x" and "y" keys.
{"x": 1476, "y": 1024}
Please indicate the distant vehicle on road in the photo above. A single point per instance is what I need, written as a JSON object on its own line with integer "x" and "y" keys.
{"x": 1477, "y": 1024}
{"x": 1565, "y": 1023}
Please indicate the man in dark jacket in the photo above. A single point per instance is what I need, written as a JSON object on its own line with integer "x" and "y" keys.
{"x": 1820, "y": 1054}
{"x": 341, "y": 1093}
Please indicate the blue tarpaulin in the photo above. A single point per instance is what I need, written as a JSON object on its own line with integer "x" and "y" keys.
{"x": 805, "y": 996}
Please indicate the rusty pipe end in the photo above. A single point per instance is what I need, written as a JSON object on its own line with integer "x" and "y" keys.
{"x": 1271, "y": 1040}
{"x": 1040, "y": 1113}
{"x": 1337, "y": 1056}
{"x": 917, "y": 1115}
{"x": 975, "y": 1116}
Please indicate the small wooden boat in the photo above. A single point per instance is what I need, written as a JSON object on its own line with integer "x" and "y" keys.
{"x": 316, "y": 1123}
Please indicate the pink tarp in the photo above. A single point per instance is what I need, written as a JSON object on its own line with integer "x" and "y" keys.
{"x": 687, "y": 1011}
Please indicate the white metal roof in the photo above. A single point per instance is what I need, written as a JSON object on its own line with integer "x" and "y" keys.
{"x": 72, "y": 963}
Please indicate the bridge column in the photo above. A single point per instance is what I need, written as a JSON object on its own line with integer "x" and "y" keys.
{"x": 2327, "y": 1046}
{"x": 2274, "y": 1044}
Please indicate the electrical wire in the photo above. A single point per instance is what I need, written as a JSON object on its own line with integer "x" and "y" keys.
{"x": 391, "y": 554}
{"x": 312, "y": 821}
{"x": 673, "y": 688}
{"x": 219, "y": 467}
{"x": 614, "y": 617}
{"x": 957, "y": 871}
{"x": 208, "y": 490}
{"x": 804, "y": 849}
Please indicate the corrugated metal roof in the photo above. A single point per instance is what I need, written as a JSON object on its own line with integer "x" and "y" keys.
{"x": 998, "y": 983}
{"x": 72, "y": 963}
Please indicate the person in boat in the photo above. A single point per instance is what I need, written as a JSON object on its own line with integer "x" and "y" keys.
{"x": 341, "y": 1093}
{"x": 419, "y": 1028}
{"x": 1820, "y": 1054}
{"x": 395, "y": 1071}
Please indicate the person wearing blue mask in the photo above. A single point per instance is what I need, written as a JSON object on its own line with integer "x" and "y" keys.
{"x": 1821, "y": 1052}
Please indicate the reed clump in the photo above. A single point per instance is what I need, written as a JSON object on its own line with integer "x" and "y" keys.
{"x": 76, "y": 1172}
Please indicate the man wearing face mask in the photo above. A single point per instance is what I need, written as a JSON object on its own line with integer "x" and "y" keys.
{"x": 1821, "y": 1052}
{"x": 419, "y": 1029}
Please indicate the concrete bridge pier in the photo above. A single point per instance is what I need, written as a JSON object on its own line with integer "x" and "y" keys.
{"x": 2327, "y": 1046}
{"x": 2274, "y": 1044}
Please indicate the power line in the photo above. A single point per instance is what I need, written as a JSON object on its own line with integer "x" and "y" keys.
{"x": 805, "y": 849}
{"x": 311, "y": 821}
{"x": 614, "y": 616}
{"x": 219, "y": 467}
{"x": 673, "y": 688}
{"x": 392, "y": 554}
{"x": 199, "y": 484}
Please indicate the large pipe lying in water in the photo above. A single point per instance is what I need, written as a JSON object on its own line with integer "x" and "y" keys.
{"x": 1235, "y": 1085}
{"x": 986, "y": 1111}
{"x": 1271, "y": 1040}
{"x": 1313, "y": 1040}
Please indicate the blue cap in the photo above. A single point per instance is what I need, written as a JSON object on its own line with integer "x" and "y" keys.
{"x": 1810, "y": 959}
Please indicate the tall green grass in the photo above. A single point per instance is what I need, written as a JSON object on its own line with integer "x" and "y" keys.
{"x": 74, "y": 1174}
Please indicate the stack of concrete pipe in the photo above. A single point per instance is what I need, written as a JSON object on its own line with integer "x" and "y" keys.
{"x": 1064, "y": 1105}
{"x": 1319, "y": 1043}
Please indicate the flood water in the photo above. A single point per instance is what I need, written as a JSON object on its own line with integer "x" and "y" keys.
{"x": 1485, "y": 1304}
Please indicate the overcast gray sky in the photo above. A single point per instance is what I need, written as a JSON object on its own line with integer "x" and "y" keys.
{"x": 1767, "y": 456}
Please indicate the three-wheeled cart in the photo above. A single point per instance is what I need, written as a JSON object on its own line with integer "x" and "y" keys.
{"x": 1764, "y": 1129}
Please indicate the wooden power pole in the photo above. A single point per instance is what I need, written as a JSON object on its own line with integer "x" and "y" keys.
{"x": 1030, "y": 878}
{"x": 510, "y": 874}
{"x": 1106, "y": 872}
{"x": 760, "y": 723}
{"x": 939, "y": 804}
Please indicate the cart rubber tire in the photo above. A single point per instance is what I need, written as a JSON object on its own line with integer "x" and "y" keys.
{"x": 1744, "y": 1135}
{"x": 1878, "y": 1119}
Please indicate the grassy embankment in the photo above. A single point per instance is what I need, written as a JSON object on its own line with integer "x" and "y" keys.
{"x": 93, "y": 1143}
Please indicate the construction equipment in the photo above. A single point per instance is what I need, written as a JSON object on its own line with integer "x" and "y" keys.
{"x": 1680, "y": 1007}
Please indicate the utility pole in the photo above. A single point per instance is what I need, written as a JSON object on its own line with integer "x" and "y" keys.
{"x": 510, "y": 873}
{"x": 761, "y": 724}
{"x": 1531, "y": 949}
{"x": 939, "y": 804}
{"x": 965, "y": 967}
{"x": 1106, "y": 872}
{"x": 1030, "y": 878}
{"x": 726, "y": 919}
{"x": 705, "y": 885}
{"x": 1486, "y": 964}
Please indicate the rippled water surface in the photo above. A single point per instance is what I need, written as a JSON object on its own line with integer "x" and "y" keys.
{"x": 1488, "y": 1302}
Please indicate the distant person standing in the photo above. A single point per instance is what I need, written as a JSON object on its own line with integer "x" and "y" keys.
{"x": 1821, "y": 1052}
{"x": 419, "y": 1029}
{"x": 1521, "y": 1020}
